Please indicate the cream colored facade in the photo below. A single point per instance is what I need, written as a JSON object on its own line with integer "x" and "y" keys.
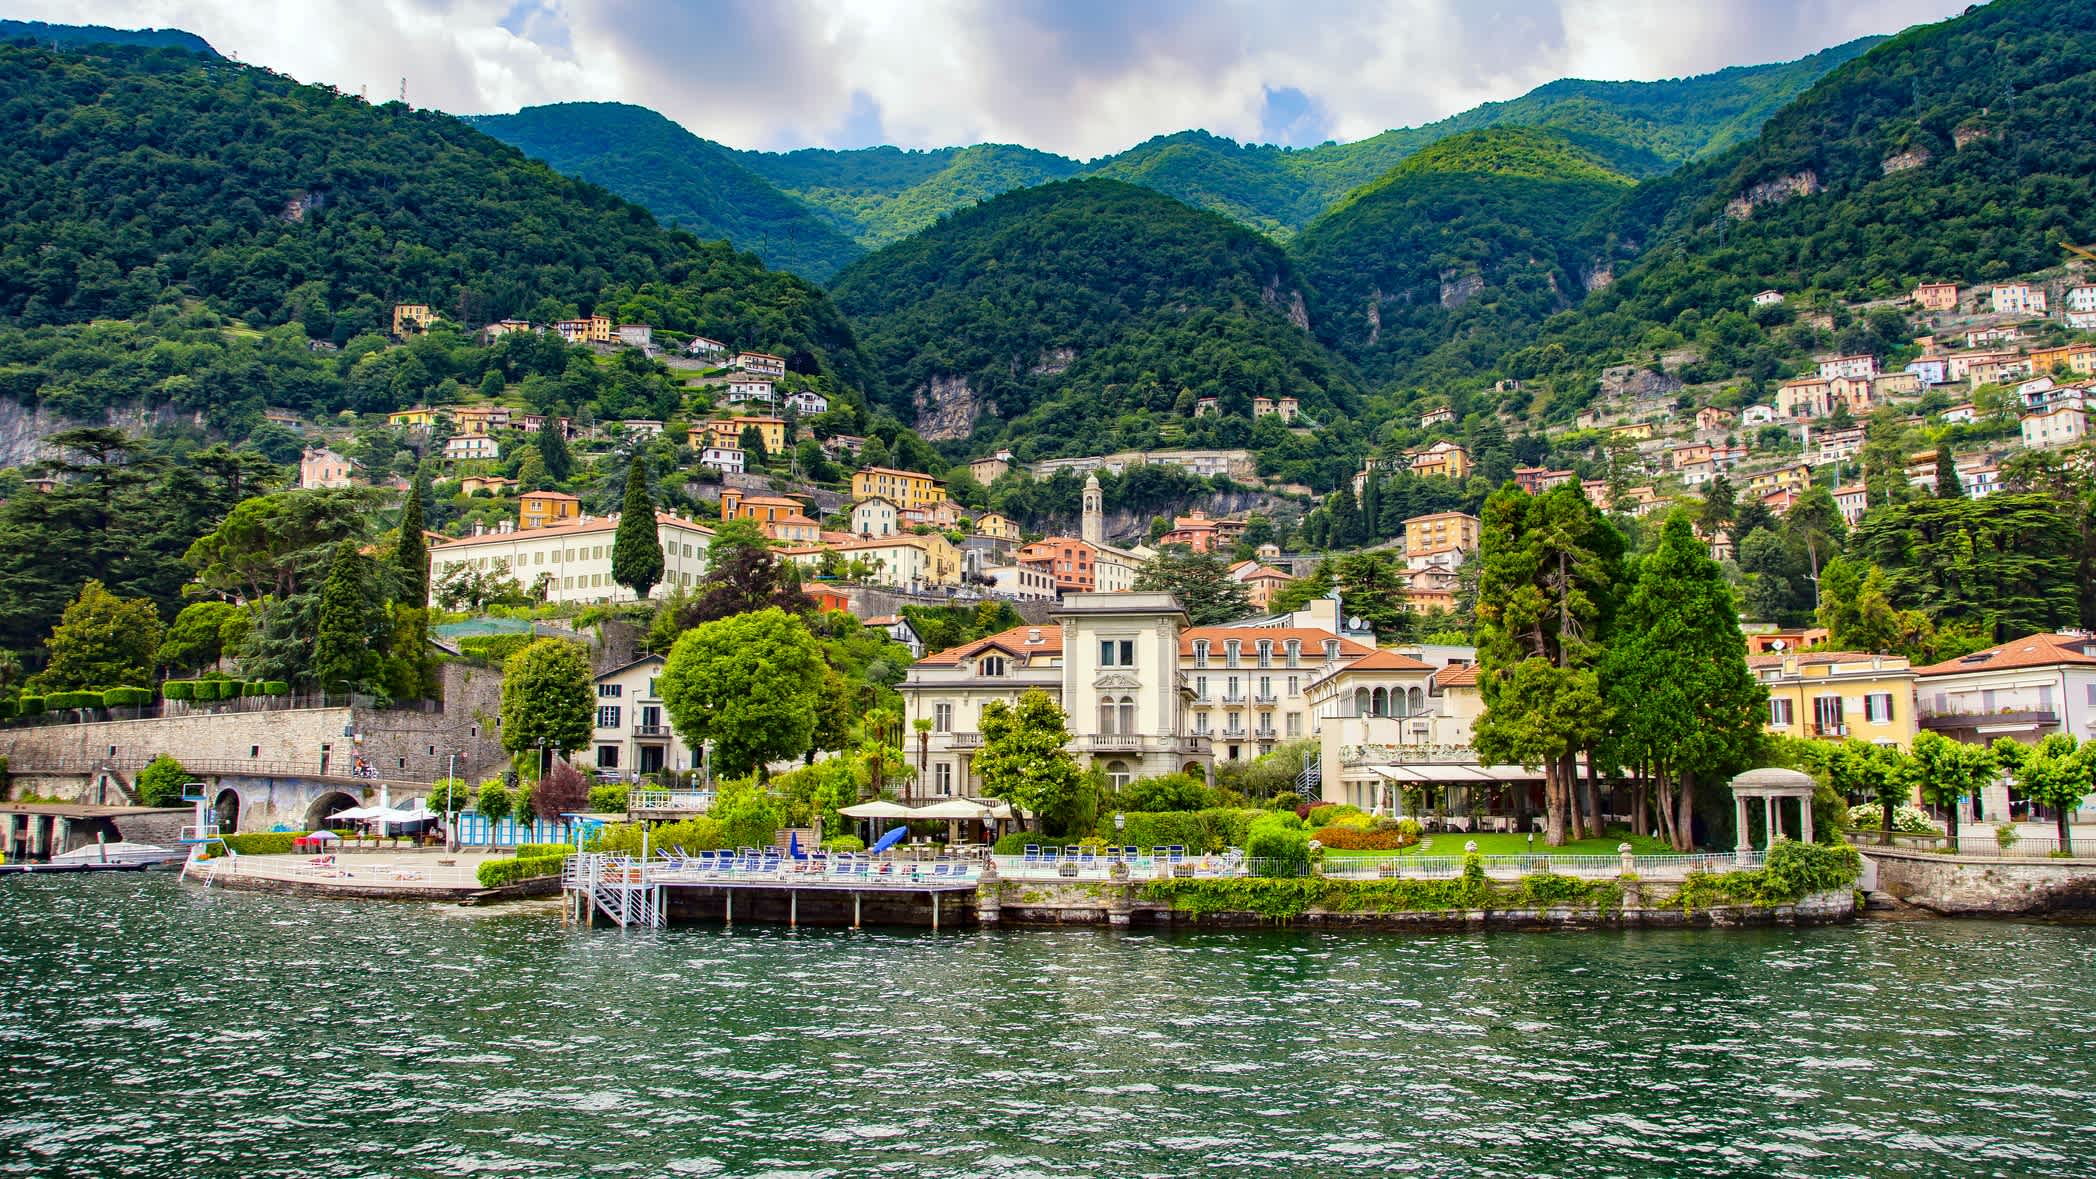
{"x": 902, "y": 561}
{"x": 632, "y": 732}
{"x": 1390, "y": 711}
{"x": 1833, "y": 696}
{"x": 573, "y": 561}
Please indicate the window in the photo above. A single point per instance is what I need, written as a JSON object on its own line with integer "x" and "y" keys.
{"x": 1295, "y": 685}
{"x": 1117, "y": 775}
{"x": 1201, "y": 657}
{"x": 1266, "y": 652}
{"x": 609, "y": 691}
{"x": 608, "y": 716}
{"x": 942, "y": 779}
{"x": 1877, "y": 708}
{"x": 1295, "y": 724}
{"x": 1117, "y": 653}
{"x": 1127, "y": 715}
{"x": 942, "y": 718}
{"x": 1201, "y": 723}
{"x": 1779, "y": 712}
{"x": 1826, "y": 716}
{"x": 1201, "y": 688}
{"x": 990, "y": 665}
{"x": 1230, "y": 647}
{"x": 1295, "y": 652}
{"x": 607, "y": 757}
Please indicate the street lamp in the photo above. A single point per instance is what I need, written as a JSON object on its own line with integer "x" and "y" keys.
{"x": 1120, "y": 823}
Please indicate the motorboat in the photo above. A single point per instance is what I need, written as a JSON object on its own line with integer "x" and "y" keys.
{"x": 122, "y": 853}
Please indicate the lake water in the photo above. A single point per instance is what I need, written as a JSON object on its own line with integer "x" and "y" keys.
{"x": 152, "y": 1029}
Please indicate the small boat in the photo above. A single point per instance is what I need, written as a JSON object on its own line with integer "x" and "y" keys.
{"x": 122, "y": 854}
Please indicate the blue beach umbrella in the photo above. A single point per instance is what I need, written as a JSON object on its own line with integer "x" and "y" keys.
{"x": 889, "y": 840}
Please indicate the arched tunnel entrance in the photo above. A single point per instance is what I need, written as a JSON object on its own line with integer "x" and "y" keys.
{"x": 327, "y": 804}
{"x": 226, "y": 810}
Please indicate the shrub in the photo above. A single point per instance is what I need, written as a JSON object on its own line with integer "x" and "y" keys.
{"x": 1911, "y": 819}
{"x": 127, "y": 697}
{"x": 844, "y": 843}
{"x": 693, "y": 835}
{"x": 1179, "y": 791}
{"x": 1016, "y": 842}
{"x": 263, "y": 843}
{"x": 67, "y": 701}
{"x": 251, "y": 688}
{"x": 494, "y": 800}
{"x": 1278, "y": 845}
{"x": 526, "y": 851}
{"x": 1355, "y": 839}
{"x": 495, "y": 649}
{"x": 276, "y": 688}
{"x": 29, "y": 705}
{"x": 178, "y": 690}
{"x": 1322, "y": 815}
{"x": 1287, "y": 800}
{"x": 496, "y": 873}
{"x": 161, "y": 782}
{"x": 7, "y": 709}
{"x": 605, "y": 800}
{"x": 1408, "y": 832}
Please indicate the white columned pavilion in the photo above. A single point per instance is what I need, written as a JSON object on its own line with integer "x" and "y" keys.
{"x": 1771, "y": 785}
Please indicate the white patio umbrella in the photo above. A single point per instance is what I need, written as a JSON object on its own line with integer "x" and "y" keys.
{"x": 952, "y": 808}
{"x": 879, "y": 808}
{"x": 357, "y": 814}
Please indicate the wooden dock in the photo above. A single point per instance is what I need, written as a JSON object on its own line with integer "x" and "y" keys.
{"x": 627, "y": 893}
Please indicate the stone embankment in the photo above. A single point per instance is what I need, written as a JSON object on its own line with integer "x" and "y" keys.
{"x": 1978, "y": 886}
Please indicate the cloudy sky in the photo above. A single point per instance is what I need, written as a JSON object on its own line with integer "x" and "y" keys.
{"x": 1080, "y": 77}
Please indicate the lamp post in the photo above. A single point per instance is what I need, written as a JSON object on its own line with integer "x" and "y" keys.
{"x": 1120, "y": 824}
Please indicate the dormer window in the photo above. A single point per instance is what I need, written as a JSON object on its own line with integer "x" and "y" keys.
{"x": 990, "y": 665}
{"x": 1266, "y": 652}
{"x": 1200, "y": 652}
{"x": 1230, "y": 648}
{"x": 1294, "y": 651}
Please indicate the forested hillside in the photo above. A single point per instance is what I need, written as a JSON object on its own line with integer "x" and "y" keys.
{"x": 1474, "y": 237}
{"x": 135, "y": 178}
{"x": 1086, "y": 315}
{"x": 687, "y": 182}
{"x": 880, "y": 195}
{"x": 1959, "y": 151}
{"x": 39, "y": 33}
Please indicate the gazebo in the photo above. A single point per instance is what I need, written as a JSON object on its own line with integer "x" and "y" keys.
{"x": 1771, "y": 785}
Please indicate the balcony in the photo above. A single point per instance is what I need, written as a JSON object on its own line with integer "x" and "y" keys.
{"x": 1264, "y": 698}
{"x": 1265, "y": 734}
{"x": 1109, "y": 742}
{"x": 1197, "y": 745}
{"x": 1990, "y": 722}
{"x": 1834, "y": 729}
{"x": 1233, "y": 698}
{"x": 1235, "y": 734}
{"x": 964, "y": 740}
{"x": 651, "y": 730}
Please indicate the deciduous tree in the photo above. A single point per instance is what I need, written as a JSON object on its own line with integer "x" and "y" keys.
{"x": 547, "y": 701}
{"x": 750, "y": 684}
{"x": 102, "y": 641}
{"x": 1023, "y": 760}
{"x": 1948, "y": 772}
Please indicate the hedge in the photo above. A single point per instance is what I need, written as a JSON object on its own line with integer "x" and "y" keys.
{"x": 1017, "y": 842}
{"x": 276, "y": 688}
{"x": 29, "y": 705}
{"x": 532, "y": 851}
{"x": 127, "y": 697}
{"x": 495, "y": 649}
{"x": 496, "y": 873}
{"x": 7, "y": 709}
{"x": 1278, "y": 845}
{"x": 607, "y": 800}
{"x": 64, "y": 701}
{"x": 263, "y": 843}
{"x": 178, "y": 690}
{"x": 1355, "y": 839}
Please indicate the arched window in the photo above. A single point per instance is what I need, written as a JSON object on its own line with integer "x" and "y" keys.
{"x": 1117, "y": 774}
{"x": 1397, "y": 702}
{"x": 1381, "y": 706}
{"x": 1200, "y": 652}
{"x": 1109, "y": 717}
{"x": 1361, "y": 702}
{"x": 1127, "y": 715}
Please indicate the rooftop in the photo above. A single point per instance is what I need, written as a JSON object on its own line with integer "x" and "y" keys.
{"x": 2040, "y": 650}
{"x": 1019, "y": 640}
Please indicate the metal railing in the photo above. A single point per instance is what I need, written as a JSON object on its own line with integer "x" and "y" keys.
{"x": 651, "y": 730}
{"x": 669, "y": 800}
{"x": 1978, "y": 841}
{"x": 224, "y": 766}
{"x": 335, "y": 868}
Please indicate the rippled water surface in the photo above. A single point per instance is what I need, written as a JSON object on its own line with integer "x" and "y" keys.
{"x": 148, "y": 1028}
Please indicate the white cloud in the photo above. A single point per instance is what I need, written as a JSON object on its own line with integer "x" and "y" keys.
{"x": 1081, "y": 77}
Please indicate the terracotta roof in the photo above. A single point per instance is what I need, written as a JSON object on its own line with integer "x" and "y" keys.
{"x": 2040, "y": 650}
{"x": 1457, "y": 675}
{"x": 883, "y": 620}
{"x": 1020, "y": 640}
{"x": 559, "y": 495}
{"x": 1312, "y": 639}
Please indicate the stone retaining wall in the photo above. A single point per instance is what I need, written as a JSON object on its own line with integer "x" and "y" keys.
{"x": 1986, "y": 887}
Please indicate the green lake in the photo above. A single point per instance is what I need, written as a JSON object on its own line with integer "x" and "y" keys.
{"x": 149, "y": 1028}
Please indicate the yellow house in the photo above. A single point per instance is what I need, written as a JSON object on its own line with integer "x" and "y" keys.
{"x": 544, "y": 509}
{"x": 904, "y": 489}
{"x": 421, "y": 415}
{"x": 1633, "y": 431}
{"x": 996, "y": 527}
{"x": 1445, "y": 459}
{"x": 904, "y": 562}
{"x": 727, "y": 432}
{"x": 412, "y": 317}
{"x": 1441, "y": 532}
{"x": 1794, "y": 478}
{"x": 1835, "y": 695}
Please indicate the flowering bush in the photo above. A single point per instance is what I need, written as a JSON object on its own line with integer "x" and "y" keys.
{"x": 1349, "y": 838}
{"x": 1871, "y": 817}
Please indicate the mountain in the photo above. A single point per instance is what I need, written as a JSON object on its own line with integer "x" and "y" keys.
{"x": 1086, "y": 315}
{"x": 69, "y": 36}
{"x": 136, "y": 177}
{"x": 880, "y": 195}
{"x": 1957, "y": 151}
{"x": 1471, "y": 237}
{"x": 688, "y": 182}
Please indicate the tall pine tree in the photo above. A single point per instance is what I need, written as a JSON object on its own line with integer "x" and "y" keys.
{"x": 411, "y": 554}
{"x": 553, "y": 449}
{"x": 636, "y": 550}
{"x": 342, "y": 651}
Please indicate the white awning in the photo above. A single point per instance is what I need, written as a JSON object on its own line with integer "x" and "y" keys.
{"x": 879, "y": 808}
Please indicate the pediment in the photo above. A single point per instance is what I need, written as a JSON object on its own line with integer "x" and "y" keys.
{"x": 1117, "y": 679}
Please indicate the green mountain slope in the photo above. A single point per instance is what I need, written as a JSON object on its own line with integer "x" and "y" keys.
{"x": 1958, "y": 151}
{"x": 1473, "y": 236}
{"x": 883, "y": 194}
{"x": 688, "y": 182}
{"x": 49, "y": 35}
{"x": 135, "y": 176}
{"x": 1248, "y": 183}
{"x": 1083, "y": 316}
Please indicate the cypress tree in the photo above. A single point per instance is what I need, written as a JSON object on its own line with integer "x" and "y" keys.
{"x": 342, "y": 632}
{"x": 553, "y": 450}
{"x": 1947, "y": 485}
{"x": 636, "y": 551}
{"x": 411, "y": 555}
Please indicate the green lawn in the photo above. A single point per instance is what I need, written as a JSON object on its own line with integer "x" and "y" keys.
{"x": 1495, "y": 844}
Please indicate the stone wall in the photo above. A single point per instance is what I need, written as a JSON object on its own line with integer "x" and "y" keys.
{"x": 1984, "y": 886}
{"x": 407, "y": 745}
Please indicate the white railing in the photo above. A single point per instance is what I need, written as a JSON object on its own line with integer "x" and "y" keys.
{"x": 669, "y": 800}
{"x": 1149, "y": 864}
